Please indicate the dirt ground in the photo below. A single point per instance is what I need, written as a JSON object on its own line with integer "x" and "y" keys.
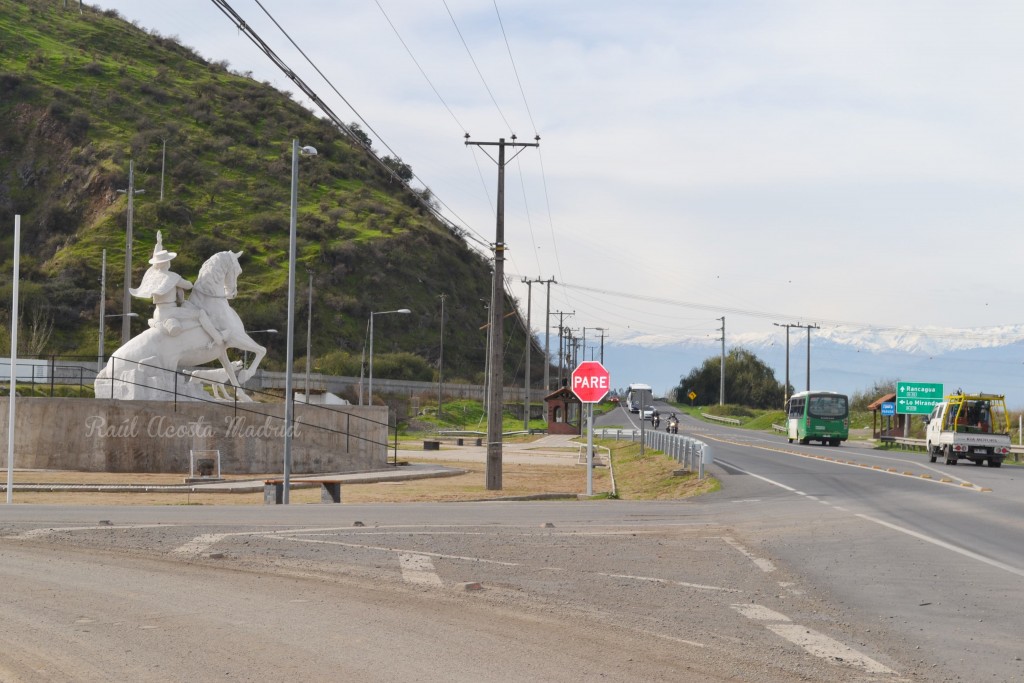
{"x": 517, "y": 480}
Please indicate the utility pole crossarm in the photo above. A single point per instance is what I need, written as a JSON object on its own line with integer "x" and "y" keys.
{"x": 808, "y": 327}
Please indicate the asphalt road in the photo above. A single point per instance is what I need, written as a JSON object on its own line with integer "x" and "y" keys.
{"x": 800, "y": 568}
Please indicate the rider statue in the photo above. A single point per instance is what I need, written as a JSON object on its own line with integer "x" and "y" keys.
{"x": 167, "y": 289}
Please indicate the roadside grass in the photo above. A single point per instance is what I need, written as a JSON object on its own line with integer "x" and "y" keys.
{"x": 650, "y": 477}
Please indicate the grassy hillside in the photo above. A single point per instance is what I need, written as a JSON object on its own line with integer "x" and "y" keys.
{"x": 82, "y": 94}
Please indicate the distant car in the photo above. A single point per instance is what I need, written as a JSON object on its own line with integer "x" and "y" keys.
{"x": 649, "y": 413}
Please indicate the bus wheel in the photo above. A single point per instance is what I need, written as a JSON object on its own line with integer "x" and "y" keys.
{"x": 804, "y": 442}
{"x": 791, "y": 440}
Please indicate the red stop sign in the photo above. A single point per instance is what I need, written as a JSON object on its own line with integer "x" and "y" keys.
{"x": 590, "y": 381}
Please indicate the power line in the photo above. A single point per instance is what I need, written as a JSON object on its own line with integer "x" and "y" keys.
{"x": 255, "y": 38}
{"x": 475, "y": 66}
{"x": 514, "y": 69}
{"x": 957, "y": 334}
{"x": 529, "y": 220}
{"x": 416, "y": 62}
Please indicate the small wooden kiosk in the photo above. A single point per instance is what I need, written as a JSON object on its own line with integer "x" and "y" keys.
{"x": 564, "y": 412}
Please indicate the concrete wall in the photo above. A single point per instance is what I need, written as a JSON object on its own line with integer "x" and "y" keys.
{"x": 102, "y": 435}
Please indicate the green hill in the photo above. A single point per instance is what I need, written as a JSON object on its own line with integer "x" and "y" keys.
{"x": 82, "y": 94}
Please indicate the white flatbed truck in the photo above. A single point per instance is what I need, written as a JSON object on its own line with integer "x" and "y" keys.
{"x": 973, "y": 427}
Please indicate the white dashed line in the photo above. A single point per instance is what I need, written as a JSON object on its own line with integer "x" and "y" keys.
{"x": 397, "y": 550}
{"x": 820, "y": 645}
{"x": 35, "y": 533}
{"x": 760, "y": 613}
{"x": 418, "y": 569}
{"x": 199, "y": 544}
{"x": 684, "y": 584}
{"x": 813, "y": 642}
{"x": 763, "y": 564}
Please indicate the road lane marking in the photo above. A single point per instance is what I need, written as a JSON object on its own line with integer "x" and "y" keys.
{"x": 760, "y": 613}
{"x": 764, "y": 565}
{"x": 812, "y": 642}
{"x": 947, "y": 546}
{"x": 964, "y": 484}
{"x": 398, "y": 550}
{"x": 199, "y": 544}
{"x": 928, "y": 539}
{"x": 653, "y": 579}
{"x": 820, "y": 645}
{"x": 36, "y": 533}
{"x": 418, "y": 569}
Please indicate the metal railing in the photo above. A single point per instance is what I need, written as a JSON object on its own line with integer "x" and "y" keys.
{"x": 689, "y": 452}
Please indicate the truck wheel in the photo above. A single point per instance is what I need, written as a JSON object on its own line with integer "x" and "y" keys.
{"x": 995, "y": 462}
{"x": 948, "y": 451}
{"x": 980, "y": 461}
{"x": 933, "y": 453}
{"x": 791, "y": 440}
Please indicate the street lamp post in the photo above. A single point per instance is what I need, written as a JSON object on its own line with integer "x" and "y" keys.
{"x": 126, "y": 304}
{"x": 102, "y": 331}
{"x": 373, "y": 313}
{"x": 289, "y": 407}
{"x": 103, "y": 312}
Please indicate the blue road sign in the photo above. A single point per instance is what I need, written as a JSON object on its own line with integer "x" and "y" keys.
{"x": 888, "y": 408}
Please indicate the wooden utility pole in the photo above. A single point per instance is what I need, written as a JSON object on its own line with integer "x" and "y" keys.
{"x": 602, "y": 330}
{"x": 721, "y": 385}
{"x": 561, "y": 333}
{"x": 803, "y": 327}
{"x": 529, "y": 345}
{"x": 547, "y": 344}
{"x": 495, "y": 355}
{"x": 126, "y": 302}
{"x": 440, "y": 361}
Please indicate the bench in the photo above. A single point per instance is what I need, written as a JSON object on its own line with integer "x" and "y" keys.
{"x": 273, "y": 490}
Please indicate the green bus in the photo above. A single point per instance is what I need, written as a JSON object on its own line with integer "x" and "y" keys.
{"x": 818, "y": 416}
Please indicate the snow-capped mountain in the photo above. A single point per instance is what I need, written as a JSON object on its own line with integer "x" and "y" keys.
{"x": 847, "y": 359}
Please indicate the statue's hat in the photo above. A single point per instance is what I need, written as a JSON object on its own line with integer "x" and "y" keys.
{"x": 161, "y": 255}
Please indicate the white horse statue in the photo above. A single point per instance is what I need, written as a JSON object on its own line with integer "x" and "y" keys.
{"x": 148, "y": 366}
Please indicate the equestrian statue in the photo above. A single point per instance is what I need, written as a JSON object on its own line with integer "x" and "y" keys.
{"x": 183, "y": 332}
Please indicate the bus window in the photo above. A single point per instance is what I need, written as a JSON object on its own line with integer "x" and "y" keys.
{"x": 827, "y": 407}
{"x": 796, "y": 408}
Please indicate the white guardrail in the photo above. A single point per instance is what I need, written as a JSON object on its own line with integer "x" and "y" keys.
{"x": 716, "y": 418}
{"x": 693, "y": 454}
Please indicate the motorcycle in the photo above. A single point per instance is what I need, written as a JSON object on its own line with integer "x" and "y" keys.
{"x": 673, "y": 426}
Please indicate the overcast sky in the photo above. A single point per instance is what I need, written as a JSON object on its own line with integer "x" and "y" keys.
{"x": 774, "y": 161}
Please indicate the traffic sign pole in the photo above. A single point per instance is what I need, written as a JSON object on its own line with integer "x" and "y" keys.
{"x": 590, "y": 449}
{"x": 590, "y": 382}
